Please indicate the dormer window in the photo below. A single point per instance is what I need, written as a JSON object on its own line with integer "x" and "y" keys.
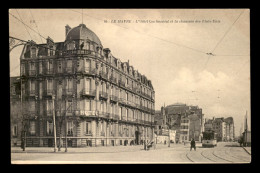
{"x": 33, "y": 52}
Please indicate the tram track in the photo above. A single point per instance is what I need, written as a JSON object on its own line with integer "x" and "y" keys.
{"x": 206, "y": 156}
{"x": 213, "y": 152}
{"x": 189, "y": 157}
{"x": 229, "y": 153}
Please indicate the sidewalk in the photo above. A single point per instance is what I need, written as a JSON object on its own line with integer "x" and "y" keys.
{"x": 100, "y": 149}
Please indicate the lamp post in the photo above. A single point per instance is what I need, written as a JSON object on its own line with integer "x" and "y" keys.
{"x": 66, "y": 148}
{"x": 54, "y": 125}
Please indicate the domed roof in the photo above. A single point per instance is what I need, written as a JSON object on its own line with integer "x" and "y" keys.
{"x": 82, "y": 32}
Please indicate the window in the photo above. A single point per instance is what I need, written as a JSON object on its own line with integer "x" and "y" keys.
{"x": 15, "y": 130}
{"x": 49, "y": 106}
{"x": 32, "y": 68}
{"x": 87, "y": 105}
{"x": 40, "y": 67}
{"x": 69, "y": 106}
{"x": 33, "y": 53}
{"x": 49, "y": 84}
{"x": 120, "y": 113}
{"x": 70, "y": 85}
{"x": 69, "y": 65}
{"x": 32, "y": 127}
{"x": 87, "y": 65}
{"x": 87, "y": 85}
{"x": 88, "y": 127}
{"x": 51, "y": 51}
{"x": 50, "y": 65}
{"x": 22, "y": 69}
{"x": 49, "y": 128}
{"x": 32, "y": 87}
{"x": 59, "y": 67}
{"x": 70, "y": 128}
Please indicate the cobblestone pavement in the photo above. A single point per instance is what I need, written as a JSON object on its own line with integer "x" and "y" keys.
{"x": 176, "y": 153}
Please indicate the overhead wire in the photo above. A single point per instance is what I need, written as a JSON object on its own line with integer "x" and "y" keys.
{"x": 23, "y": 24}
{"x": 211, "y": 52}
{"x": 26, "y": 25}
{"x": 35, "y": 24}
{"x": 180, "y": 45}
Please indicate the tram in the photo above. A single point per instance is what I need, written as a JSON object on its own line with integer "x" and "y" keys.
{"x": 209, "y": 139}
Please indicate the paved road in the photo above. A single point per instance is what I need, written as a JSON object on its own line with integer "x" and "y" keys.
{"x": 177, "y": 153}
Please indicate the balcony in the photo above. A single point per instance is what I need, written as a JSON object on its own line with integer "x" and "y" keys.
{"x": 69, "y": 70}
{"x": 102, "y": 114}
{"x": 32, "y": 72}
{"x": 88, "y": 133}
{"x": 88, "y": 92}
{"x": 122, "y": 101}
{"x": 49, "y": 71}
{"x": 102, "y": 134}
{"x": 32, "y": 113}
{"x": 68, "y": 91}
{"x": 103, "y": 94}
{"x": 49, "y": 92}
{"x": 104, "y": 75}
{"x": 85, "y": 70}
{"x": 121, "y": 83}
{"x": 112, "y": 79}
{"x": 49, "y": 112}
{"x": 116, "y": 117}
{"x": 76, "y": 52}
{"x": 135, "y": 89}
{"x": 113, "y": 98}
{"x": 93, "y": 71}
{"x": 87, "y": 113}
{"x": 129, "y": 87}
{"x": 32, "y": 92}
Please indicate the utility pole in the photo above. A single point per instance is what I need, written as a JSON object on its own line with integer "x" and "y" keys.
{"x": 54, "y": 125}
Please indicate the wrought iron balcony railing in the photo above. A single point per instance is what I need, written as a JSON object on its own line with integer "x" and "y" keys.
{"x": 49, "y": 71}
{"x": 88, "y": 92}
{"x": 32, "y": 72}
{"x": 49, "y": 92}
{"x": 103, "y": 94}
{"x": 69, "y": 70}
{"x": 32, "y": 92}
{"x": 122, "y": 100}
{"x": 121, "y": 83}
{"x": 79, "y": 112}
{"x": 113, "y": 98}
{"x": 112, "y": 79}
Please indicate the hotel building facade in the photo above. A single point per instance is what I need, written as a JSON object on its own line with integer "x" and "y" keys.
{"x": 97, "y": 100}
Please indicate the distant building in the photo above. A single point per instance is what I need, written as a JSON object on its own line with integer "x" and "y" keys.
{"x": 15, "y": 111}
{"x": 247, "y": 138}
{"x": 186, "y": 120}
{"x": 224, "y": 127}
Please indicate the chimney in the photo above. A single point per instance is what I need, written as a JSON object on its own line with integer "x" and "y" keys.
{"x": 67, "y": 29}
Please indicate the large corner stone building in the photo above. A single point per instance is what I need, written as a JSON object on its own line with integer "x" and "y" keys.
{"x": 105, "y": 101}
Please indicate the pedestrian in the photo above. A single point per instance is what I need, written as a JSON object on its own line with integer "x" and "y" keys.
{"x": 192, "y": 144}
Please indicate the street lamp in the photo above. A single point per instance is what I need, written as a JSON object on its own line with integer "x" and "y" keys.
{"x": 54, "y": 125}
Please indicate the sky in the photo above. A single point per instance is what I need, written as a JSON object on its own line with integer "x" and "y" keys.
{"x": 168, "y": 46}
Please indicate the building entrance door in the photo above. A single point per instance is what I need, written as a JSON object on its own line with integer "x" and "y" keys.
{"x": 50, "y": 142}
{"x": 137, "y": 137}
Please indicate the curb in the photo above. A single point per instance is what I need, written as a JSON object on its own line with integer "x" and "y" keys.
{"x": 246, "y": 151}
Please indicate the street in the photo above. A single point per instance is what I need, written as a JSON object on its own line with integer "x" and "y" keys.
{"x": 178, "y": 153}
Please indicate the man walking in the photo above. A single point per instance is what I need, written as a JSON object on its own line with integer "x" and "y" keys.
{"x": 192, "y": 144}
